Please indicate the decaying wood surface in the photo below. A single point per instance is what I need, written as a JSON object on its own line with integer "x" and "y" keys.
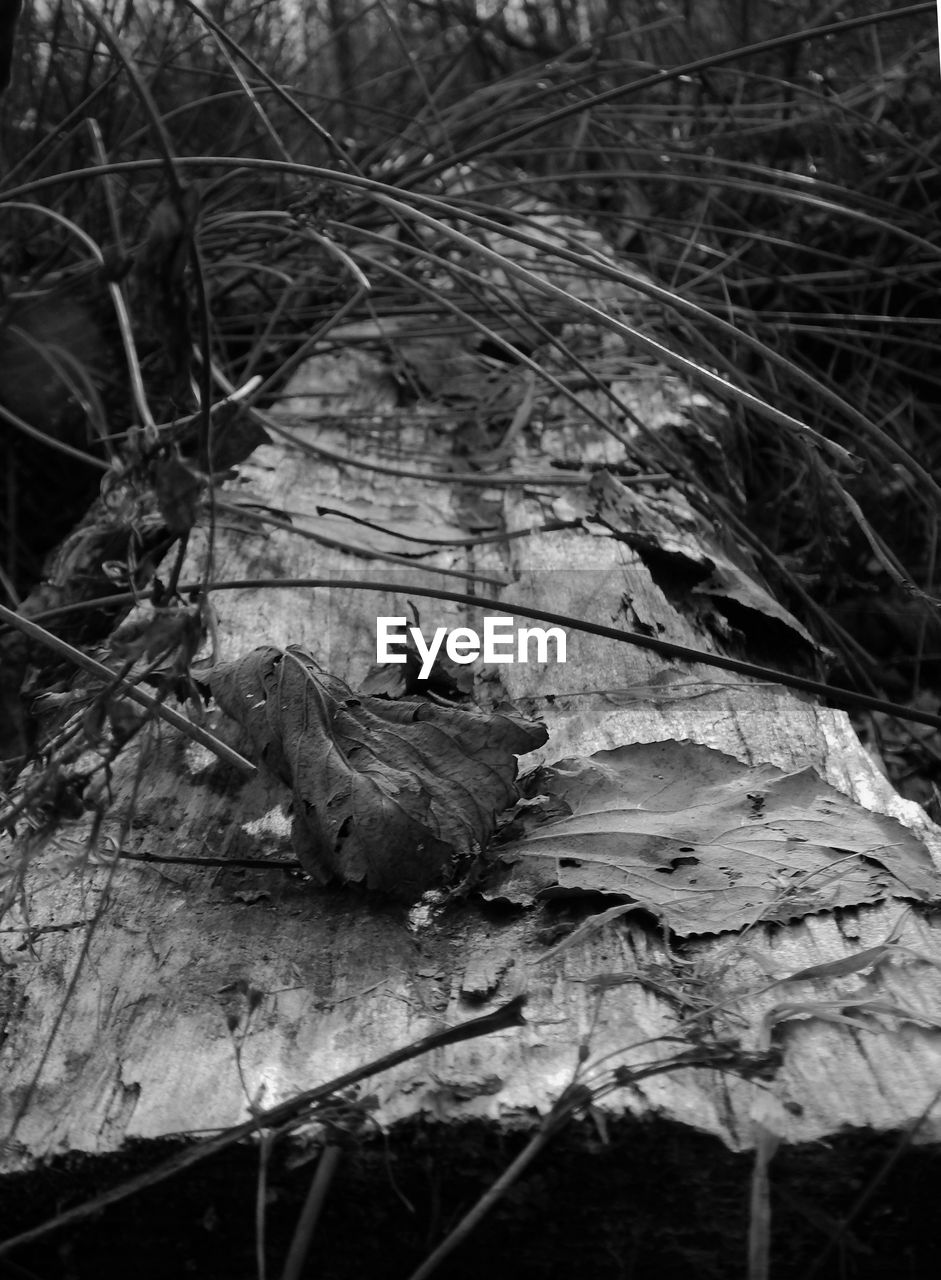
{"x": 125, "y": 977}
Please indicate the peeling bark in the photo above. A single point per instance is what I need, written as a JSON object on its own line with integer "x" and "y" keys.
{"x": 125, "y": 980}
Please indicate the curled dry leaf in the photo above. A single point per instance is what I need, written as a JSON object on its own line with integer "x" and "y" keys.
{"x": 664, "y": 528}
{"x": 385, "y": 793}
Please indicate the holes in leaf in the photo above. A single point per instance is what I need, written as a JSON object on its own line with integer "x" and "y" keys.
{"x": 675, "y": 863}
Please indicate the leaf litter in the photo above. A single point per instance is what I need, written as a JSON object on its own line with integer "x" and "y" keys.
{"x": 702, "y": 842}
{"x": 386, "y": 792}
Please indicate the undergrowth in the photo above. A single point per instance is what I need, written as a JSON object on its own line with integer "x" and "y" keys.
{"x": 195, "y": 198}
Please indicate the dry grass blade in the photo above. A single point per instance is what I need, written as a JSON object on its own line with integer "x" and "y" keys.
{"x": 502, "y": 1019}
{"x": 571, "y": 1101}
{"x": 311, "y": 1211}
{"x": 759, "y": 1216}
{"x": 154, "y": 705}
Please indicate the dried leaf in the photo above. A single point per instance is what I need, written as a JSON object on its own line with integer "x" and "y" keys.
{"x": 706, "y": 843}
{"x": 664, "y": 527}
{"x": 385, "y": 793}
{"x": 236, "y": 435}
{"x": 164, "y": 631}
{"x": 179, "y": 488}
{"x": 446, "y": 679}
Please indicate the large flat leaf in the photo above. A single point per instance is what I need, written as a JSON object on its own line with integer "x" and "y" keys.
{"x": 704, "y": 842}
{"x": 385, "y": 793}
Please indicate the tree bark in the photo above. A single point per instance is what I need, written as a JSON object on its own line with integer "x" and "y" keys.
{"x": 129, "y": 1005}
